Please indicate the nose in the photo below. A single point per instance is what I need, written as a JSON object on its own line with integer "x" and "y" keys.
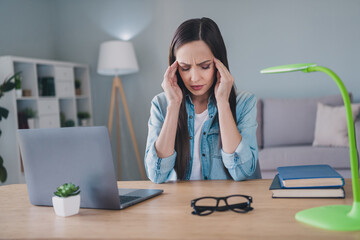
{"x": 195, "y": 75}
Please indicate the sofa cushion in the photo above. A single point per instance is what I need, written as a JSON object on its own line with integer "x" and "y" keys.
{"x": 292, "y": 121}
{"x": 331, "y": 125}
{"x": 274, "y": 157}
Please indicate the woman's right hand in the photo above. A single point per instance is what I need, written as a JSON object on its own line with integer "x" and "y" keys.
{"x": 172, "y": 90}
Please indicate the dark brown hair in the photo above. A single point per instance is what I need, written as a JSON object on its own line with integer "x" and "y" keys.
{"x": 196, "y": 29}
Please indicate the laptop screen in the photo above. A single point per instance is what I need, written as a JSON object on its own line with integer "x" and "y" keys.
{"x": 81, "y": 155}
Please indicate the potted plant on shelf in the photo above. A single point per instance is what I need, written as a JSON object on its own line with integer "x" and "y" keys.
{"x": 66, "y": 201}
{"x": 66, "y": 122}
{"x": 77, "y": 87}
{"x": 83, "y": 118}
{"x": 6, "y": 86}
{"x": 18, "y": 85}
{"x": 30, "y": 116}
{"x": 69, "y": 123}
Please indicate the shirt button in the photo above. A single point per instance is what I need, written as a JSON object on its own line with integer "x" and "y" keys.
{"x": 190, "y": 137}
{"x": 203, "y": 154}
{"x": 190, "y": 116}
{"x": 205, "y": 178}
{"x": 211, "y": 116}
{"x": 204, "y": 133}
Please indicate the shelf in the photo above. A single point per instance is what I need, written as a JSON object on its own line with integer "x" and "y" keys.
{"x": 49, "y": 88}
{"x": 47, "y": 97}
{"x": 26, "y": 98}
{"x": 27, "y": 76}
{"x": 81, "y": 74}
{"x": 67, "y": 110}
{"x": 66, "y": 98}
{"x": 82, "y": 97}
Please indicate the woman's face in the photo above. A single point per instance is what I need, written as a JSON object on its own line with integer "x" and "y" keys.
{"x": 196, "y": 67}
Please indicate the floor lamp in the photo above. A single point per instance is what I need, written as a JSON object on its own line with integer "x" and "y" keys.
{"x": 118, "y": 58}
{"x": 333, "y": 217}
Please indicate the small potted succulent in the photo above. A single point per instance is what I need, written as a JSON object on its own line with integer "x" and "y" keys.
{"x": 66, "y": 201}
{"x": 83, "y": 118}
{"x": 18, "y": 85}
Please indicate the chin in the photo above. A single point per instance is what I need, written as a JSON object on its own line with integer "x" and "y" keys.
{"x": 199, "y": 93}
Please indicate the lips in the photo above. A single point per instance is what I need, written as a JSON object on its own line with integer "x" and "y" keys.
{"x": 197, "y": 87}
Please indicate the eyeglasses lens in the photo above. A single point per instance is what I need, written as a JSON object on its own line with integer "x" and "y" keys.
{"x": 205, "y": 206}
{"x": 206, "y": 202}
{"x": 238, "y": 203}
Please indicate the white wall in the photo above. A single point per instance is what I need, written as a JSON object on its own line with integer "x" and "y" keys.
{"x": 258, "y": 34}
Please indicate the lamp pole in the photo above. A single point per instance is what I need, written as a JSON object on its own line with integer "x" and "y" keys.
{"x": 333, "y": 217}
{"x": 118, "y": 58}
{"x": 350, "y": 123}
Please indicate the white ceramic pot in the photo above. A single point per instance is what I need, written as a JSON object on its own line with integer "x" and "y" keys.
{"x": 31, "y": 123}
{"x": 18, "y": 93}
{"x": 84, "y": 122}
{"x": 66, "y": 206}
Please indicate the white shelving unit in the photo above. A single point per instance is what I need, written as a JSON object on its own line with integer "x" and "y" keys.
{"x": 50, "y": 87}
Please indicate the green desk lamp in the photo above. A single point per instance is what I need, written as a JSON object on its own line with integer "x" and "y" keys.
{"x": 333, "y": 217}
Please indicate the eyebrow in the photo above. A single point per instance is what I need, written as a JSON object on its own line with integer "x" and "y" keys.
{"x": 206, "y": 61}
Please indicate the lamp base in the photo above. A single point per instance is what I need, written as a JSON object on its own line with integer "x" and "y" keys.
{"x": 333, "y": 217}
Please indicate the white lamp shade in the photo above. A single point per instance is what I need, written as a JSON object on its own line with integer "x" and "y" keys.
{"x": 117, "y": 58}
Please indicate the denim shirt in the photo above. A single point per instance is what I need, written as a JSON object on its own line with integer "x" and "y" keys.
{"x": 241, "y": 164}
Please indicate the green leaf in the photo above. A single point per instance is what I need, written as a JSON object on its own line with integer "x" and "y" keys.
{"x": 7, "y": 86}
{"x": 67, "y": 189}
{"x": 3, "y": 174}
{"x": 57, "y": 194}
{"x": 75, "y": 193}
{"x": 4, "y": 113}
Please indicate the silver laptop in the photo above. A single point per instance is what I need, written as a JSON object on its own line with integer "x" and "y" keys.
{"x": 81, "y": 155}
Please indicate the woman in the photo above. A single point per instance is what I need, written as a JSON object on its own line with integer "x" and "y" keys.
{"x": 199, "y": 128}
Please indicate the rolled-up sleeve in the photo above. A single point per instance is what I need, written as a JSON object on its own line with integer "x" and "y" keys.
{"x": 157, "y": 169}
{"x": 242, "y": 163}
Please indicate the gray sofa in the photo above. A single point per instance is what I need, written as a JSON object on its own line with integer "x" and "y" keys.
{"x": 286, "y": 131}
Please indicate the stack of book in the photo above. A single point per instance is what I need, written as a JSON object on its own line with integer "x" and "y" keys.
{"x": 308, "y": 181}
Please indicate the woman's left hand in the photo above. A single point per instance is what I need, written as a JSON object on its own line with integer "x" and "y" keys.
{"x": 225, "y": 81}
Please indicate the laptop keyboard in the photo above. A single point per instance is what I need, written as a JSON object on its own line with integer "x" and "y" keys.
{"x": 125, "y": 199}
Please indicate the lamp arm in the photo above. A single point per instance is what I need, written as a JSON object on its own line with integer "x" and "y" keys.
{"x": 351, "y": 130}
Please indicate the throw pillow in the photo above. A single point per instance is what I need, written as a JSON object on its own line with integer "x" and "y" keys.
{"x": 331, "y": 126}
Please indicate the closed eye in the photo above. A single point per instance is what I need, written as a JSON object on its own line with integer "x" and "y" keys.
{"x": 206, "y": 67}
{"x": 184, "y": 69}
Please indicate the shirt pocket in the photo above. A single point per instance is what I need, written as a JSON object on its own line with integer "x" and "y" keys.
{"x": 214, "y": 143}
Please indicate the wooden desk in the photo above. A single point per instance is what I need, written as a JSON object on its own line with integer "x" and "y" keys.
{"x": 168, "y": 216}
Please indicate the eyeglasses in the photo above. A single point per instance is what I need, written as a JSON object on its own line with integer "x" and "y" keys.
{"x": 206, "y": 205}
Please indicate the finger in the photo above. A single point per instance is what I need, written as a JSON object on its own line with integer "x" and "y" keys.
{"x": 170, "y": 69}
{"x": 167, "y": 75}
{"x": 220, "y": 67}
{"x": 175, "y": 63}
{"x": 173, "y": 67}
{"x": 172, "y": 74}
{"x": 224, "y": 72}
